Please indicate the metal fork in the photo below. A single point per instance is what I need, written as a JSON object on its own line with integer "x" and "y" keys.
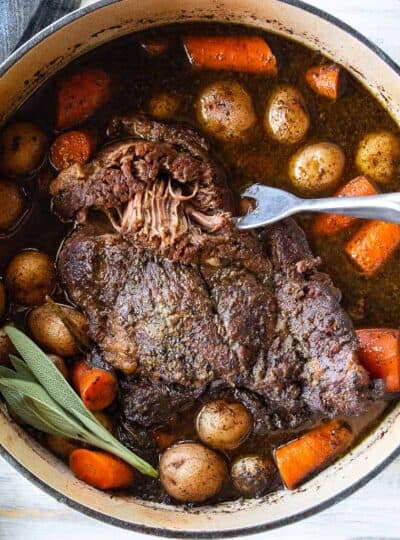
{"x": 273, "y": 204}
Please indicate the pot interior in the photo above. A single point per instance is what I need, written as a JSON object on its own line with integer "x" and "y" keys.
{"x": 22, "y": 74}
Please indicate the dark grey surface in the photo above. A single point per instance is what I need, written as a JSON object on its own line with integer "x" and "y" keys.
{"x": 21, "y": 19}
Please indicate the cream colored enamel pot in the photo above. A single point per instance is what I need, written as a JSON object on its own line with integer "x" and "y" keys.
{"x": 23, "y": 73}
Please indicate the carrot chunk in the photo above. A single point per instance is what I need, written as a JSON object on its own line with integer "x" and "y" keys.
{"x": 250, "y": 54}
{"x": 79, "y": 95}
{"x": 76, "y": 146}
{"x": 328, "y": 224}
{"x": 155, "y": 47}
{"x": 97, "y": 387}
{"x": 380, "y": 355}
{"x": 311, "y": 452}
{"x": 100, "y": 469}
{"x": 325, "y": 80}
{"x": 372, "y": 246}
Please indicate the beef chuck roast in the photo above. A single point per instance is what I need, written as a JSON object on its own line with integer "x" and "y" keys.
{"x": 178, "y": 306}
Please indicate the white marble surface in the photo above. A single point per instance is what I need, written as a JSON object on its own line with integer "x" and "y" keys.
{"x": 370, "y": 514}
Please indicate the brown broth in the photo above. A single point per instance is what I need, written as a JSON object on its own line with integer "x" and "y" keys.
{"x": 137, "y": 76}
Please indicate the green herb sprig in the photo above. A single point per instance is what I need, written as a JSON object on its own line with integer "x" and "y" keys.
{"x": 38, "y": 393}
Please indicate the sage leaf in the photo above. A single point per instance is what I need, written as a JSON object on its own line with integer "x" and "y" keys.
{"x": 46, "y": 372}
{"x": 22, "y": 369}
{"x": 39, "y": 393}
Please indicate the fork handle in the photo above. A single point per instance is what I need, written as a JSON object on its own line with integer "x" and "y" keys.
{"x": 384, "y": 207}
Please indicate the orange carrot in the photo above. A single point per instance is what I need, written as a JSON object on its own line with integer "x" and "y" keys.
{"x": 71, "y": 147}
{"x": 380, "y": 354}
{"x": 234, "y": 53}
{"x": 325, "y": 80}
{"x": 100, "y": 469}
{"x": 97, "y": 387}
{"x": 302, "y": 457}
{"x": 155, "y": 47}
{"x": 327, "y": 224}
{"x": 79, "y": 95}
{"x": 372, "y": 246}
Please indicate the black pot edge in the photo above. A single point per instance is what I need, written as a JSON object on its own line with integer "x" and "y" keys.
{"x": 64, "y": 21}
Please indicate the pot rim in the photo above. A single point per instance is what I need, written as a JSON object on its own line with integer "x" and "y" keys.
{"x": 4, "y": 66}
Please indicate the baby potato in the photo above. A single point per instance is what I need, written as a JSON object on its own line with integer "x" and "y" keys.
{"x": 316, "y": 168}
{"x": 30, "y": 276}
{"x": 286, "y": 118}
{"x": 223, "y": 425}
{"x": 61, "y": 446}
{"x": 378, "y": 156}
{"x": 190, "y": 472}
{"x": 22, "y": 148}
{"x": 225, "y": 110}
{"x": 47, "y": 328}
{"x": 6, "y": 348}
{"x": 163, "y": 105}
{"x": 253, "y": 475}
{"x": 12, "y": 204}
{"x": 60, "y": 364}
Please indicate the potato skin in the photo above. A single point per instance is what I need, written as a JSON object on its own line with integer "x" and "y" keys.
{"x": 190, "y": 472}
{"x": 378, "y": 156}
{"x": 253, "y": 475}
{"x": 60, "y": 364}
{"x": 286, "y": 117}
{"x": 317, "y": 168}
{"x": 49, "y": 331}
{"x": 12, "y": 204}
{"x": 61, "y": 446}
{"x": 223, "y": 425}
{"x": 30, "y": 277}
{"x": 163, "y": 105}
{"x": 225, "y": 110}
{"x": 6, "y": 348}
{"x": 23, "y": 146}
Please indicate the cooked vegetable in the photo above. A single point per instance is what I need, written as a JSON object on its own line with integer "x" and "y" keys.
{"x": 254, "y": 475}
{"x": 378, "y": 156}
{"x": 328, "y": 224}
{"x": 190, "y": 472}
{"x": 372, "y": 246}
{"x": 225, "y": 110}
{"x": 61, "y": 446}
{"x": 316, "y": 168}
{"x": 22, "y": 148}
{"x": 164, "y": 105}
{"x": 101, "y": 469}
{"x": 163, "y": 439}
{"x": 286, "y": 118}
{"x": 249, "y": 54}
{"x": 3, "y": 300}
{"x": 30, "y": 277}
{"x": 155, "y": 47}
{"x": 79, "y": 95}
{"x": 97, "y": 387}
{"x": 311, "y": 452}
{"x": 76, "y": 146}
{"x": 12, "y": 204}
{"x": 326, "y": 80}
{"x": 51, "y": 332}
{"x": 379, "y": 353}
{"x": 60, "y": 364}
{"x": 41, "y": 396}
{"x": 6, "y": 348}
{"x": 223, "y": 425}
